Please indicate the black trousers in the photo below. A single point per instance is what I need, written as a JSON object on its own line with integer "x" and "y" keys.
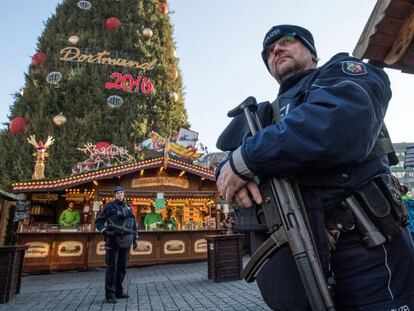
{"x": 116, "y": 263}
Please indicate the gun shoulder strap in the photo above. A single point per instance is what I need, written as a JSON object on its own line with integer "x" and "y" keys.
{"x": 384, "y": 146}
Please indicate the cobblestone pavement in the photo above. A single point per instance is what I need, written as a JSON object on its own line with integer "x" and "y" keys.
{"x": 182, "y": 287}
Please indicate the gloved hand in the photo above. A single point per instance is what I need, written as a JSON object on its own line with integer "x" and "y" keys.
{"x": 135, "y": 244}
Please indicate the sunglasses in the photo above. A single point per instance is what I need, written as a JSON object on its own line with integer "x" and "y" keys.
{"x": 286, "y": 40}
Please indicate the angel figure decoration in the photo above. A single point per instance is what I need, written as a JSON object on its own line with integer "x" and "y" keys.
{"x": 40, "y": 155}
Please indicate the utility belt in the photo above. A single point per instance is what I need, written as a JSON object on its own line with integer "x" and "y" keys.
{"x": 375, "y": 212}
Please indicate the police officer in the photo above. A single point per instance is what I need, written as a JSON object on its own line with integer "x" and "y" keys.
{"x": 330, "y": 136}
{"x": 117, "y": 243}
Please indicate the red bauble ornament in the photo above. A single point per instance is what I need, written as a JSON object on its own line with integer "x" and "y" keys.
{"x": 17, "y": 125}
{"x": 102, "y": 145}
{"x": 112, "y": 23}
{"x": 163, "y": 8}
{"x": 38, "y": 59}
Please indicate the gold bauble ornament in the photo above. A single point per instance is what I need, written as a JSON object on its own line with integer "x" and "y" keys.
{"x": 73, "y": 40}
{"x": 147, "y": 32}
{"x": 173, "y": 72}
{"x": 59, "y": 119}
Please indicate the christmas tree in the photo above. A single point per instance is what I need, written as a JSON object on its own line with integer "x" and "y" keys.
{"x": 104, "y": 71}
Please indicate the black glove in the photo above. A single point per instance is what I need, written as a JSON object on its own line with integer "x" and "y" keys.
{"x": 135, "y": 244}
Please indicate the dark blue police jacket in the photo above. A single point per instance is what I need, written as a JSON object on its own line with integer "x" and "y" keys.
{"x": 331, "y": 118}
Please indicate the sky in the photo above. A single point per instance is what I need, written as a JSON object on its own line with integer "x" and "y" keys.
{"x": 218, "y": 44}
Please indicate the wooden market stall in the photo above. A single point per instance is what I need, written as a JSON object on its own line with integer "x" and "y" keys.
{"x": 188, "y": 190}
{"x": 386, "y": 40}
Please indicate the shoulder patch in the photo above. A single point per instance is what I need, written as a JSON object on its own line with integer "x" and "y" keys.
{"x": 353, "y": 68}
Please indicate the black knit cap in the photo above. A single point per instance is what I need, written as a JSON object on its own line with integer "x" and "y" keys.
{"x": 277, "y": 32}
{"x": 118, "y": 189}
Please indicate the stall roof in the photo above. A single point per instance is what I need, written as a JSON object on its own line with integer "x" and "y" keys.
{"x": 62, "y": 183}
{"x": 386, "y": 40}
{"x": 8, "y": 196}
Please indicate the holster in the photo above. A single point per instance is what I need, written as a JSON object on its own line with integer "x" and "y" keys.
{"x": 382, "y": 202}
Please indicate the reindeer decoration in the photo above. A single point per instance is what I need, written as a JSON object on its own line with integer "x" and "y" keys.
{"x": 40, "y": 155}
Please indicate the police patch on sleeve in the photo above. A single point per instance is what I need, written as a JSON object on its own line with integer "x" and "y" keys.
{"x": 353, "y": 68}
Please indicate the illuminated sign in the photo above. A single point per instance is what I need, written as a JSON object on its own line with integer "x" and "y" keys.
{"x": 40, "y": 197}
{"x": 127, "y": 83}
{"x": 73, "y": 54}
{"x": 160, "y": 181}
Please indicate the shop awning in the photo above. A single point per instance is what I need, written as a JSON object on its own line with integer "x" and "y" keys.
{"x": 386, "y": 40}
{"x": 107, "y": 173}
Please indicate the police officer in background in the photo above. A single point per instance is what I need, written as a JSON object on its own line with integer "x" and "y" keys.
{"x": 117, "y": 243}
{"x": 326, "y": 130}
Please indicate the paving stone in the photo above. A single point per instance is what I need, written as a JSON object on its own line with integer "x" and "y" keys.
{"x": 169, "y": 287}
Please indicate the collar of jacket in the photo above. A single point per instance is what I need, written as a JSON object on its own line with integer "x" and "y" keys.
{"x": 288, "y": 83}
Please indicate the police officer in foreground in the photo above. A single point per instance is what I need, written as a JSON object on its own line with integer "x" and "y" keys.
{"x": 326, "y": 130}
{"x": 117, "y": 222}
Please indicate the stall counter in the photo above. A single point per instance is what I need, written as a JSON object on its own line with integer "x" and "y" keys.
{"x": 82, "y": 250}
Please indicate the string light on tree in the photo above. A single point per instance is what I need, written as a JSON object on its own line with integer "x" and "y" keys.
{"x": 59, "y": 119}
{"x": 17, "y": 125}
{"x": 112, "y": 24}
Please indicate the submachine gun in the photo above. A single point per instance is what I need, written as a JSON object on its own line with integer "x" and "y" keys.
{"x": 119, "y": 230}
{"x": 287, "y": 221}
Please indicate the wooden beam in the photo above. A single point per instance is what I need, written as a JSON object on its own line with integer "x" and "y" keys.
{"x": 402, "y": 42}
{"x": 370, "y": 27}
